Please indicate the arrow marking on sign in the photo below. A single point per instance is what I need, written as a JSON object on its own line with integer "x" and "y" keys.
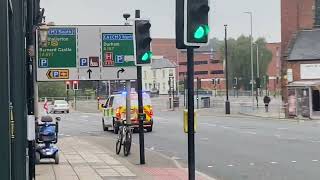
{"x": 120, "y": 71}
{"x": 89, "y": 72}
{"x": 49, "y": 74}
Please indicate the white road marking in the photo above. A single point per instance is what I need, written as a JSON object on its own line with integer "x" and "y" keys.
{"x": 282, "y": 128}
{"x": 210, "y": 166}
{"x": 315, "y": 160}
{"x": 68, "y": 135}
{"x": 204, "y": 139}
{"x": 248, "y": 132}
{"x": 277, "y": 135}
{"x": 251, "y": 164}
{"x": 152, "y": 148}
{"x": 230, "y": 165}
{"x": 273, "y": 162}
{"x": 84, "y": 116}
{"x": 293, "y": 161}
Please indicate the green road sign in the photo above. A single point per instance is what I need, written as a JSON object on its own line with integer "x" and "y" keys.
{"x": 61, "y": 50}
{"x": 117, "y": 50}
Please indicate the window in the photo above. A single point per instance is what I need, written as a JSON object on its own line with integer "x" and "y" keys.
{"x": 201, "y": 73}
{"x": 182, "y": 73}
{"x": 317, "y": 14}
{"x": 164, "y": 86}
{"x": 163, "y": 73}
{"x": 215, "y": 61}
{"x": 217, "y": 72}
{"x": 154, "y": 73}
{"x": 170, "y": 72}
{"x": 200, "y": 62}
{"x": 145, "y": 74}
{"x": 110, "y": 101}
{"x": 183, "y": 63}
{"x": 146, "y": 86}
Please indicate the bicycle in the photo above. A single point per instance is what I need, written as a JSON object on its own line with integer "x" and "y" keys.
{"x": 124, "y": 138}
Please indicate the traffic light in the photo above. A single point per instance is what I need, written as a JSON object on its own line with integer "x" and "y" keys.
{"x": 196, "y": 26}
{"x": 258, "y": 84}
{"x": 142, "y": 42}
{"x": 235, "y": 81}
{"x": 75, "y": 85}
{"x": 67, "y": 85}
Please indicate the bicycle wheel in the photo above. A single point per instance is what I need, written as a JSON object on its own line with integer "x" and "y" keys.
{"x": 119, "y": 143}
{"x": 127, "y": 143}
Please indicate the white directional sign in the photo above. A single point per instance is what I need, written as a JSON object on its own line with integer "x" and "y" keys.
{"x": 87, "y": 53}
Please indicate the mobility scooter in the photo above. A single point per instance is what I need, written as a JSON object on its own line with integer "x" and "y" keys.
{"x": 46, "y": 137}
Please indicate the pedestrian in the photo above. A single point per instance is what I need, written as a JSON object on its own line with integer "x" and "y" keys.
{"x": 266, "y": 101}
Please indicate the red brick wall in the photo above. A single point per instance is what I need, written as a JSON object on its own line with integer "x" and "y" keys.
{"x": 295, "y": 15}
{"x": 295, "y": 66}
{"x": 274, "y": 66}
{"x": 167, "y": 49}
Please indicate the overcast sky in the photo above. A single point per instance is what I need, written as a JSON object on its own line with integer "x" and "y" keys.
{"x": 266, "y": 15}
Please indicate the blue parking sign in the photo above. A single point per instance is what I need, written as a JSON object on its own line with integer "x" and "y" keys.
{"x": 56, "y": 74}
{"x": 84, "y": 62}
{"x": 43, "y": 63}
{"x": 119, "y": 59}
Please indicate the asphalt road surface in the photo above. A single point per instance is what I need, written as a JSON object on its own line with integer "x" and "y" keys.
{"x": 227, "y": 148}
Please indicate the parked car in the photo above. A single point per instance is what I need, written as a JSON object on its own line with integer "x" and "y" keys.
{"x": 114, "y": 111}
{"x": 60, "y": 106}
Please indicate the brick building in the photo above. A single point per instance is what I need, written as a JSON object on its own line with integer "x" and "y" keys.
{"x": 208, "y": 63}
{"x": 300, "y": 20}
{"x": 274, "y": 67}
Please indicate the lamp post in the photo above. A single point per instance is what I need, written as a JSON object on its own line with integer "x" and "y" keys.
{"x": 258, "y": 77}
{"x": 251, "y": 47}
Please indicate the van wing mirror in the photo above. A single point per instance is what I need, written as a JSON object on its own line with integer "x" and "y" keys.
{"x": 58, "y": 118}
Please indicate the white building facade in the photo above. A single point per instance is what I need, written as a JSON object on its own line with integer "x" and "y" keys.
{"x": 157, "y": 76}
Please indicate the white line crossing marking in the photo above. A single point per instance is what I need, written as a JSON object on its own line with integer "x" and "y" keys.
{"x": 230, "y": 165}
{"x": 252, "y": 164}
{"x": 210, "y": 166}
{"x": 282, "y": 128}
{"x": 315, "y": 160}
{"x": 293, "y": 161}
{"x": 273, "y": 162}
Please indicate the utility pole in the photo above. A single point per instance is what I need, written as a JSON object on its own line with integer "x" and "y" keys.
{"x": 140, "y": 105}
{"x": 191, "y": 148}
{"x": 5, "y": 150}
{"x": 251, "y": 49}
{"x": 227, "y": 104}
{"x": 258, "y": 77}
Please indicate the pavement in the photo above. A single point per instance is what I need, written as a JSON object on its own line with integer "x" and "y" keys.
{"x": 88, "y": 153}
{"x": 233, "y": 147}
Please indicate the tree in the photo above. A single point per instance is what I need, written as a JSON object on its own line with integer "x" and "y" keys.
{"x": 52, "y": 89}
{"x": 239, "y": 59}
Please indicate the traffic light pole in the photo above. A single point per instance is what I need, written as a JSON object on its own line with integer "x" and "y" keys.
{"x": 191, "y": 148}
{"x": 140, "y": 105}
{"x": 227, "y": 104}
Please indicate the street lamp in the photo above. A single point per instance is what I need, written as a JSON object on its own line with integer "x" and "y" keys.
{"x": 43, "y": 34}
{"x": 251, "y": 47}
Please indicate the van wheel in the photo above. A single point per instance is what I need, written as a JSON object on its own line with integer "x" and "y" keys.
{"x": 115, "y": 127}
{"x": 149, "y": 129}
{"x": 104, "y": 126}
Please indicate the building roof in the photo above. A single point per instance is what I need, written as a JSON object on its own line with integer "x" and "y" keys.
{"x": 162, "y": 63}
{"x": 306, "y": 46}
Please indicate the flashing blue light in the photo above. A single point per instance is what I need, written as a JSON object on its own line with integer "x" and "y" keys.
{"x": 124, "y": 93}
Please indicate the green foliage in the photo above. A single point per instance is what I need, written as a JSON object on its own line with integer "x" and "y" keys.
{"x": 52, "y": 89}
{"x": 239, "y": 59}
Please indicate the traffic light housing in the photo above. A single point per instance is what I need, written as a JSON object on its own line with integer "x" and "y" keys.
{"x": 143, "y": 53}
{"x": 196, "y": 26}
{"x": 235, "y": 81}
{"x": 75, "y": 85}
{"x": 67, "y": 85}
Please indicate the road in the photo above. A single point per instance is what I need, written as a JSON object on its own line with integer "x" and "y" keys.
{"x": 227, "y": 148}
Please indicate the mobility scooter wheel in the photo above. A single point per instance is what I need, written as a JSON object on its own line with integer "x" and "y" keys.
{"x": 38, "y": 157}
{"x": 56, "y": 158}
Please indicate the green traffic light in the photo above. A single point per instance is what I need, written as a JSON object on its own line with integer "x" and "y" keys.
{"x": 201, "y": 32}
{"x": 147, "y": 56}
